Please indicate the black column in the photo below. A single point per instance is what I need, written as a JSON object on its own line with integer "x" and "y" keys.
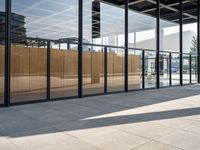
{"x": 158, "y": 44}
{"x": 170, "y": 69}
{"x": 7, "y": 52}
{"x": 181, "y": 42}
{"x": 143, "y": 69}
{"x": 105, "y": 69}
{"x": 126, "y": 47}
{"x": 198, "y": 41}
{"x": 48, "y": 70}
{"x": 190, "y": 67}
{"x": 80, "y": 48}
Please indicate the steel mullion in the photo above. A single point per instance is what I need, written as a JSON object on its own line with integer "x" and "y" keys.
{"x": 7, "y": 52}
{"x": 158, "y": 45}
{"x": 80, "y": 49}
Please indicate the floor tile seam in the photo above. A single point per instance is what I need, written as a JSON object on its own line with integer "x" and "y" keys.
{"x": 75, "y": 137}
{"x": 148, "y": 138}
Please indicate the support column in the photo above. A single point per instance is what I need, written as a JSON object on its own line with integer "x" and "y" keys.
{"x": 181, "y": 42}
{"x": 158, "y": 45}
{"x": 7, "y": 53}
{"x": 80, "y": 49}
{"x": 126, "y": 47}
{"x": 198, "y": 41}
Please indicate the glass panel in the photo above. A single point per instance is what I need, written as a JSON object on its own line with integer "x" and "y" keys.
{"x": 93, "y": 70}
{"x": 134, "y": 69}
{"x": 150, "y": 69}
{"x": 169, "y": 26}
{"x": 64, "y": 70}
{"x": 32, "y": 23}
{"x": 142, "y": 24}
{"x": 2, "y": 49}
{"x": 190, "y": 28}
{"x": 175, "y": 69}
{"x": 194, "y": 68}
{"x": 115, "y": 69}
{"x": 103, "y": 22}
{"x": 186, "y": 69}
{"x": 164, "y": 69}
{"x": 190, "y": 40}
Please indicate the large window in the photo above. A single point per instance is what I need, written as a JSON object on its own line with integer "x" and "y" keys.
{"x": 164, "y": 69}
{"x": 64, "y": 70}
{"x": 142, "y": 25}
{"x": 2, "y": 48}
{"x": 169, "y": 41}
{"x": 135, "y": 69}
{"x": 150, "y": 69}
{"x": 103, "y": 23}
{"x": 93, "y": 70}
{"x": 175, "y": 68}
{"x": 115, "y": 69}
{"x": 190, "y": 40}
{"x": 32, "y": 23}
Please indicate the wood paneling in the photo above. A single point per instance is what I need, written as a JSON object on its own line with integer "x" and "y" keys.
{"x": 29, "y": 67}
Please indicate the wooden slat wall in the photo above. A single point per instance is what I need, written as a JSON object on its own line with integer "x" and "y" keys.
{"x": 29, "y": 67}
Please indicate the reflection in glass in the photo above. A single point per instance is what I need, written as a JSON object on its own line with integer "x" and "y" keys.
{"x": 175, "y": 68}
{"x": 164, "y": 69}
{"x": 150, "y": 69}
{"x": 2, "y": 49}
{"x": 186, "y": 68}
{"x": 64, "y": 71}
{"x": 103, "y": 22}
{"x": 194, "y": 68}
{"x": 134, "y": 69}
{"x": 32, "y": 23}
{"x": 142, "y": 25}
{"x": 93, "y": 70}
{"x": 115, "y": 69}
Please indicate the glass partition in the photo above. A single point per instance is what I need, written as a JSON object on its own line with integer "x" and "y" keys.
{"x": 150, "y": 69}
{"x": 64, "y": 70}
{"x": 32, "y": 23}
{"x": 93, "y": 70}
{"x": 103, "y": 22}
{"x": 2, "y": 49}
{"x": 142, "y": 25}
{"x": 115, "y": 69}
{"x": 134, "y": 69}
{"x": 186, "y": 68}
{"x": 164, "y": 69}
{"x": 175, "y": 68}
{"x": 194, "y": 68}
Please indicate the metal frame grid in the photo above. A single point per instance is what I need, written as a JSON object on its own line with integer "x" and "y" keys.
{"x": 80, "y": 43}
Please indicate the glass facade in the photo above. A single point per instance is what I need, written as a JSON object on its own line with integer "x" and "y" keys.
{"x": 61, "y": 49}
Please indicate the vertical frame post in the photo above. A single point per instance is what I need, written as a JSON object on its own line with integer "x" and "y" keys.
{"x": 198, "y": 40}
{"x": 158, "y": 44}
{"x": 126, "y": 47}
{"x": 190, "y": 67}
{"x": 181, "y": 41}
{"x": 143, "y": 69}
{"x": 48, "y": 70}
{"x": 80, "y": 49}
{"x": 7, "y": 52}
{"x": 105, "y": 69}
{"x": 170, "y": 69}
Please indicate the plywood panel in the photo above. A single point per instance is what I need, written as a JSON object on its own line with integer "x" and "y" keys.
{"x": 20, "y": 69}
{"x": 57, "y": 68}
{"x": 38, "y": 68}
